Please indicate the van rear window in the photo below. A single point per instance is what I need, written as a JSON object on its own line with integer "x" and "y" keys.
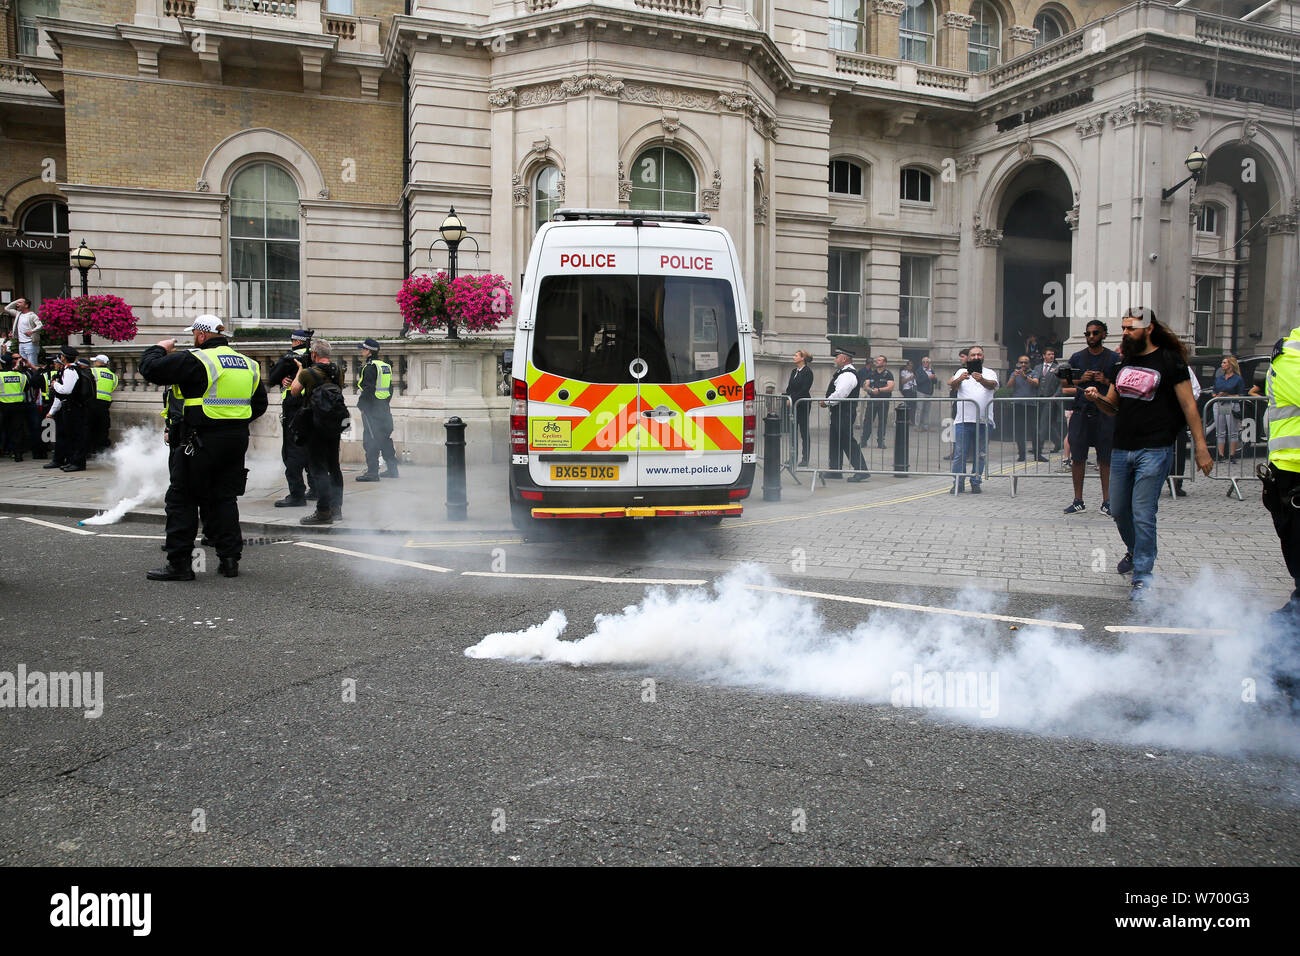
{"x": 591, "y": 327}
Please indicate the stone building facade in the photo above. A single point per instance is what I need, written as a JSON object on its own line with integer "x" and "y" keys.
{"x": 906, "y": 175}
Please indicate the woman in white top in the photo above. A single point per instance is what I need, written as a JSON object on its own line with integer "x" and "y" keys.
{"x": 26, "y": 326}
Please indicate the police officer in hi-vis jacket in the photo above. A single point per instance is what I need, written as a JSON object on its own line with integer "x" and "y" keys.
{"x": 220, "y": 392}
{"x": 376, "y": 384}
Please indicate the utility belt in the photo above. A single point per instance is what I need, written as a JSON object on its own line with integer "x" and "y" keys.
{"x": 1281, "y": 487}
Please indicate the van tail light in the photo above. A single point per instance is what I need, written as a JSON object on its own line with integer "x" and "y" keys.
{"x": 747, "y": 436}
{"x": 519, "y": 418}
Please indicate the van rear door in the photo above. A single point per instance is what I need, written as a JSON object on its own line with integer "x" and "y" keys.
{"x": 582, "y": 395}
{"x": 692, "y": 395}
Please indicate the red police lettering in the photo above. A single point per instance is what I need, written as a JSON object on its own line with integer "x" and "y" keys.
{"x": 599, "y": 260}
{"x": 698, "y": 263}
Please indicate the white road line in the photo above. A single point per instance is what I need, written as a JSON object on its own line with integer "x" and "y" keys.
{"x": 1063, "y": 625}
{"x": 694, "y": 582}
{"x": 1137, "y": 629}
{"x": 146, "y": 537}
{"x": 57, "y": 527}
{"x": 373, "y": 557}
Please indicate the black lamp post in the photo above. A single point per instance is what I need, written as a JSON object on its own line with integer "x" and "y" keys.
{"x": 1195, "y": 164}
{"x": 453, "y": 231}
{"x": 83, "y": 259}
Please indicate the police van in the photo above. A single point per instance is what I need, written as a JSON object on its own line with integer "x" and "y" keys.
{"x": 632, "y": 372}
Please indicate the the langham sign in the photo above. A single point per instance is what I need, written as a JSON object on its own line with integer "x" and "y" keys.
{"x": 46, "y": 244}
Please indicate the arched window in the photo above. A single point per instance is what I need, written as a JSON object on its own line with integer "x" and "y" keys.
{"x": 985, "y": 45}
{"x": 914, "y": 185}
{"x": 47, "y": 219}
{"x": 916, "y": 31}
{"x": 546, "y": 195}
{"x": 663, "y": 179}
{"x": 845, "y": 178}
{"x": 265, "y": 253}
{"x": 1049, "y": 27}
{"x": 848, "y": 26}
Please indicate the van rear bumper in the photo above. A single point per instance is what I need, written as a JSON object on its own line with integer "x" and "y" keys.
{"x": 595, "y": 497}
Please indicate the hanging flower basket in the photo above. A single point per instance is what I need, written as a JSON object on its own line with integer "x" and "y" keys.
{"x": 104, "y": 315}
{"x": 479, "y": 303}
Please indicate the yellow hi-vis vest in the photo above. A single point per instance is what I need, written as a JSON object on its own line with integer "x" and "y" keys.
{"x": 105, "y": 384}
{"x": 45, "y": 386}
{"x": 383, "y": 379}
{"x": 232, "y": 380}
{"x": 1283, "y": 416}
{"x": 12, "y": 385}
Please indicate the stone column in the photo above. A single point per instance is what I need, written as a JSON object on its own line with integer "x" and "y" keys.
{"x": 882, "y": 30}
{"x": 954, "y": 42}
{"x": 979, "y": 318}
{"x": 1019, "y": 41}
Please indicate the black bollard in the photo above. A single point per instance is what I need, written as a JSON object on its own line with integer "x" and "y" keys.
{"x": 457, "y": 505}
{"x": 900, "y": 437}
{"x": 772, "y": 457}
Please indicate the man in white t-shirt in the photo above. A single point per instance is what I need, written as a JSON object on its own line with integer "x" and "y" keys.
{"x": 26, "y": 326}
{"x": 971, "y": 422}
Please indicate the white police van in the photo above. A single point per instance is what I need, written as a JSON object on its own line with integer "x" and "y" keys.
{"x": 632, "y": 371}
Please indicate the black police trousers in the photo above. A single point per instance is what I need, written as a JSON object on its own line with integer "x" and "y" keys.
{"x": 207, "y": 483}
{"x": 13, "y": 425}
{"x": 843, "y": 444}
{"x": 1281, "y": 501}
{"x": 292, "y": 454}
{"x": 377, "y": 437}
{"x": 98, "y": 426}
{"x": 70, "y": 435}
{"x": 326, "y": 473}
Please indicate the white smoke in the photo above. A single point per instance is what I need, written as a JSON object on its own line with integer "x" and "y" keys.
{"x": 1191, "y": 692}
{"x": 139, "y": 462}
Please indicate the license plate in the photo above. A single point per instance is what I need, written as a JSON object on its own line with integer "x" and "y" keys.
{"x": 584, "y": 473}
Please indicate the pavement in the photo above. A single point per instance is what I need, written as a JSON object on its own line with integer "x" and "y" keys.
{"x": 894, "y": 530}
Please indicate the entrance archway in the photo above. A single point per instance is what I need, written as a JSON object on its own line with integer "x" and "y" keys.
{"x": 1034, "y": 252}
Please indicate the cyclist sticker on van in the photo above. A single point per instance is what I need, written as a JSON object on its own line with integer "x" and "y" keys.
{"x": 551, "y": 434}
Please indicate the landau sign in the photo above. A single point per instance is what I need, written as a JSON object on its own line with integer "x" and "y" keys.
{"x": 1249, "y": 94}
{"x": 1059, "y": 105}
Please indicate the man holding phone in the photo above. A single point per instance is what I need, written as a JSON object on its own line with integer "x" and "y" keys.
{"x": 1093, "y": 367}
{"x": 975, "y": 387}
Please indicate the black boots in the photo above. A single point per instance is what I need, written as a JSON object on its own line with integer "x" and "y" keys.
{"x": 390, "y": 473}
{"x": 368, "y": 476}
{"x": 172, "y": 572}
{"x": 291, "y": 501}
{"x": 229, "y": 567}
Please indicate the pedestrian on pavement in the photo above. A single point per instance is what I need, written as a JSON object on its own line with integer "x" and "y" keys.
{"x": 1281, "y": 497}
{"x": 879, "y": 386}
{"x": 220, "y": 392}
{"x": 1024, "y": 420}
{"x": 27, "y": 325}
{"x": 74, "y": 390}
{"x": 799, "y": 388}
{"x": 320, "y": 428}
{"x": 1093, "y": 367}
{"x": 924, "y": 389}
{"x": 105, "y": 385}
{"x": 376, "y": 383}
{"x": 1150, "y": 399}
{"x": 975, "y": 387}
{"x": 1051, "y": 420}
{"x": 1227, "y": 415}
{"x": 843, "y": 388}
{"x": 293, "y": 454}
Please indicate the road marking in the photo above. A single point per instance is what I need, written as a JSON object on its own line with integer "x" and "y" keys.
{"x": 146, "y": 537}
{"x": 373, "y": 557}
{"x": 1063, "y": 625}
{"x": 690, "y": 582}
{"x": 1137, "y": 629}
{"x": 459, "y": 544}
{"x": 836, "y": 511}
{"x": 57, "y": 527}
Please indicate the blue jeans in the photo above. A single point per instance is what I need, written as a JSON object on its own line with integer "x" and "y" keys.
{"x": 1136, "y": 478}
{"x": 30, "y": 351}
{"x": 970, "y": 441}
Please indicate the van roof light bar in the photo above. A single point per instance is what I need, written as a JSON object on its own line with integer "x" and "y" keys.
{"x": 649, "y": 215}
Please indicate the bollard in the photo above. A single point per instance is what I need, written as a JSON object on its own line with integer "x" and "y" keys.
{"x": 900, "y": 437}
{"x": 457, "y": 505}
{"x": 772, "y": 457}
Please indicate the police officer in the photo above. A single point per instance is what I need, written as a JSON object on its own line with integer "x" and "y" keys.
{"x": 105, "y": 385}
{"x": 221, "y": 392}
{"x": 844, "y": 384}
{"x": 376, "y": 384}
{"x": 13, "y": 407}
{"x": 292, "y": 454}
{"x": 72, "y": 388}
{"x": 1281, "y": 480}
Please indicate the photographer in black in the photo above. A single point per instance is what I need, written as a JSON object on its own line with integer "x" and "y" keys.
{"x": 292, "y": 454}
{"x": 318, "y": 425}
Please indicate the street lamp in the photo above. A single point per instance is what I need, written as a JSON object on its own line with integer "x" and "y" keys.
{"x": 1195, "y": 163}
{"x": 453, "y": 230}
{"x": 83, "y": 259}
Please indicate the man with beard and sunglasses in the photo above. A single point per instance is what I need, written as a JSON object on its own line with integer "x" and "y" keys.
{"x": 1151, "y": 400}
{"x": 1093, "y": 366}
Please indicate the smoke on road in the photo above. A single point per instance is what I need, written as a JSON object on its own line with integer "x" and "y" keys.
{"x": 1197, "y": 692}
{"x": 139, "y": 463}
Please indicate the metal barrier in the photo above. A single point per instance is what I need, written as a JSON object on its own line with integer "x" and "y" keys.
{"x": 904, "y": 449}
{"x": 1027, "y": 426}
{"x": 1243, "y": 417}
{"x": 784, "y": 407}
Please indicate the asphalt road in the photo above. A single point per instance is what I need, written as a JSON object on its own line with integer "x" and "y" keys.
{"x": 736, "y": 729}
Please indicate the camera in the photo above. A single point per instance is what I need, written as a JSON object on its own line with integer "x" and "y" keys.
{"x": 1154, "y": 256}
{"x": 974, "y": 366}
{"x": 1065, "y": 372}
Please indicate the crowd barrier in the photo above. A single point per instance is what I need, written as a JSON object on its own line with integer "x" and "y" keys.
{"x": 1236, "y": 421}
